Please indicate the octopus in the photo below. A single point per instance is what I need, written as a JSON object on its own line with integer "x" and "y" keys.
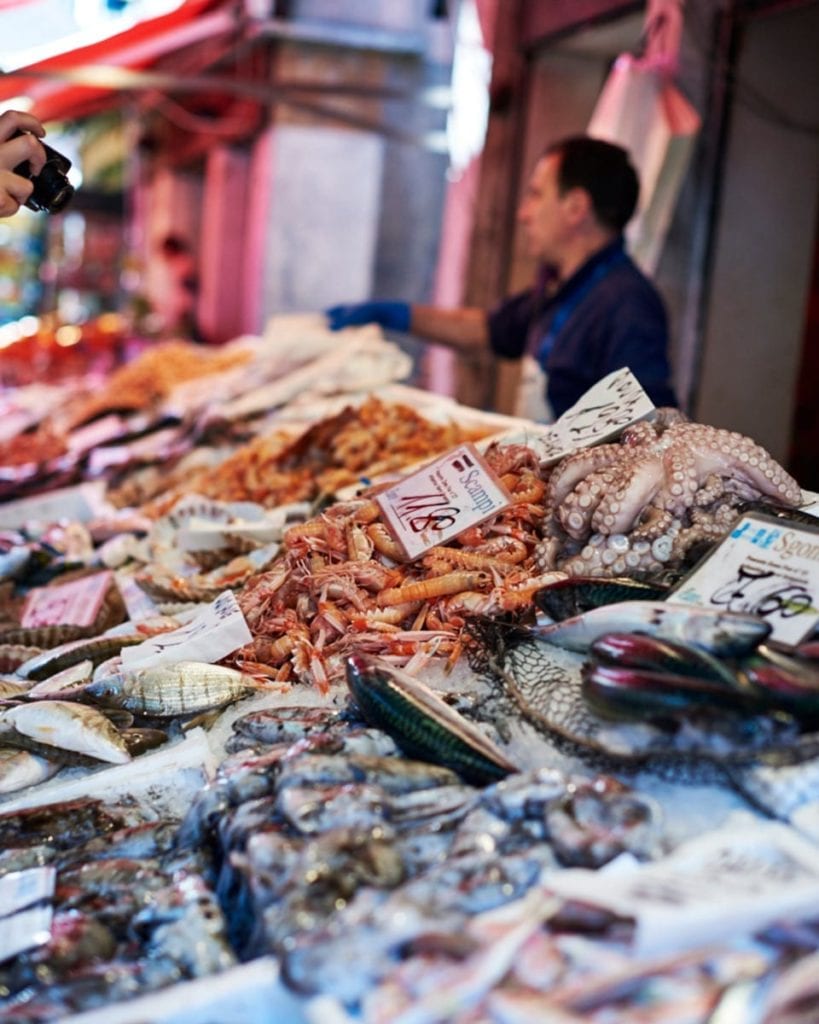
{"x": 642, "y": 503}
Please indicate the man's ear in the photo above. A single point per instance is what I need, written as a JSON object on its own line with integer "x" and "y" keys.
{"x": 577, "y": 204}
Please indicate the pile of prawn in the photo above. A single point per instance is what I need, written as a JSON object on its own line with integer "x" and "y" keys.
{"x": 342, "y": 586}
{"x": 372, "y": 439}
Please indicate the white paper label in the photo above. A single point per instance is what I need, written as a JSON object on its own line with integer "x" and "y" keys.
{"x": 726, "y": 884}
{"x": 441, "y": 500}
{"x": 19, "y": 889}
{"x": 218, "y": 630}
{"x": 79, "y": 503}
{"x": 601, "y": 414}
{"x": 766, "y": 567}
{"x": 77, "y": 602}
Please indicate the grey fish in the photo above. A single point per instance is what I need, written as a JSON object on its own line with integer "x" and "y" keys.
{"x": 726, "y": 634}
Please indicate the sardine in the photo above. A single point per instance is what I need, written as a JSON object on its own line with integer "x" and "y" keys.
{"x": 725, "y": 634}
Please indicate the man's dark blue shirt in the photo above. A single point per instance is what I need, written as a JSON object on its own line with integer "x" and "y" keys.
{"x": 606, "y": 316}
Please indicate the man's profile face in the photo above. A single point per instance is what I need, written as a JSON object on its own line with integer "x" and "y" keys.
{"x": 543, "y": 212}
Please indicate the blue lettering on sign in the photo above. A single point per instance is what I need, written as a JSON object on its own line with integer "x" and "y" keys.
{"x": 761, "y": 537}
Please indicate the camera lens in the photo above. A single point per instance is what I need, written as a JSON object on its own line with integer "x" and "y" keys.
{"x": 60, "y": 198}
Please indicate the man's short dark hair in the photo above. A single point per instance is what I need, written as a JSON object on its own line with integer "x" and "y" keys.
{"x": 605, "y": 171}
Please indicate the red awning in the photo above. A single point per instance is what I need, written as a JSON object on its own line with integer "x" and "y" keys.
{"x": 73, "y": 84}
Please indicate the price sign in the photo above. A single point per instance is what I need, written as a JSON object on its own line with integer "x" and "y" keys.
{"x": 601, "y": 414}
{"x": 766, "y": 567}
{"x": 441, "y": 500}
{"x": 218, "y": 630}
{"x": 77, "y": 602}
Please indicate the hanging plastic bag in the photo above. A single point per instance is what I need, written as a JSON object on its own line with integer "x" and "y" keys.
{"x": 642, "y": 110}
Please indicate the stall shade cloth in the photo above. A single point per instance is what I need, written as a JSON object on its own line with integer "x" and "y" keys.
{"x": 48, "y": 82}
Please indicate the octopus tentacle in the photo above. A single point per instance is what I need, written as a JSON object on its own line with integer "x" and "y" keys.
{"x": 577, "y": 466}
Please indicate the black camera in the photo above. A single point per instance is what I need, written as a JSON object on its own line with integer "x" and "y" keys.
{"x": 52, "y": 189}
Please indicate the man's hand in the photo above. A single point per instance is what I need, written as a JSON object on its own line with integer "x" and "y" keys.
{"x": 16, "y": 149}
{"x": 394, "y": 316}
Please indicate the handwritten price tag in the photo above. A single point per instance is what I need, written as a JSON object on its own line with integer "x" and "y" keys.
{"x": 601, "y": 414}
{"x": 77, "y": 603}
{"x": 441, "y": 500}
{"x": 218, "y": 630}
{"x": 766, "y": 567}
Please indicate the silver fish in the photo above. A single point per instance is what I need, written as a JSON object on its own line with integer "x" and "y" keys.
{"x": 20, "y": 769}
{"x": 65, "y": 725}
{"x": 65, "y": 684}
{"x": 726, "y": 634}
{"x": 11, "y": 689}
{"x": 181, "y": 688}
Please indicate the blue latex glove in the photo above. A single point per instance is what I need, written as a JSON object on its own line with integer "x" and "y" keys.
{"x": 394, "y": 316}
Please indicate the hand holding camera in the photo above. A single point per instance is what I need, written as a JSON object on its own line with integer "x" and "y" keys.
{"x": 31, "y": 172}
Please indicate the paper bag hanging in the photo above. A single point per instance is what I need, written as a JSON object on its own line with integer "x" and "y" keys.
{"x": 642, "y": 110}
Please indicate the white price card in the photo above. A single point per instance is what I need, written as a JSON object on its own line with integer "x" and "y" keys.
{"x": 441, "y": 500}
{"x": 722, "y": 885}
{"x": 77, "y": 603}
{"x": 600, "y": 415}
{"x": 765, "y": 566}
{"x": 218, "y": 630}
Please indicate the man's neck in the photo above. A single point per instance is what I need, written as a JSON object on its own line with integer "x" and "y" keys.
{"x": 582, "y": 250}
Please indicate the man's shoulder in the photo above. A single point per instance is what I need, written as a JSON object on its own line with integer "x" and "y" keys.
{"x": 628, "y": 283}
